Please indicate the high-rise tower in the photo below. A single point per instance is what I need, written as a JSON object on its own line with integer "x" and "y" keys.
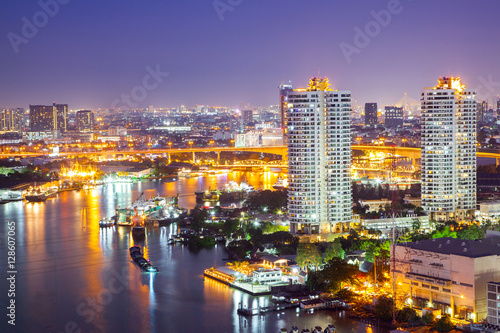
{"x": 284, "y": 90}
{"x": 449, "y": 150}
{"x": 371, "y": 118}
{"x": 319, "y": 158}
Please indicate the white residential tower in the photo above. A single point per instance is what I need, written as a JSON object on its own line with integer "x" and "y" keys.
{"x": 449, "y": 150}
{"x": 319, "y": 158}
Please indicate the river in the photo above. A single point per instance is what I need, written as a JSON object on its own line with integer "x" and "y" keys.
{"x": 73, "y": 276}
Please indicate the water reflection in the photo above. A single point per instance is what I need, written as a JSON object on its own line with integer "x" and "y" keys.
{"x": 66, "y": 262}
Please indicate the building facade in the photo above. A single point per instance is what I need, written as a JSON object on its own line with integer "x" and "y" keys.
{"x": 448, "y": 274}
{"x": 284, "y": 90}
{"x": 482, "y": 108}
{"x": 45, "y": 118}
{"x": 393, "y": 116}
{"x": 371, "y": 118}
{"x": 493, "y": 291}
{"x": 11, "y": 120}
{"x": 449, "y": 150}
{"x": 319, "y": 158}
{"x": 84, "y": 121}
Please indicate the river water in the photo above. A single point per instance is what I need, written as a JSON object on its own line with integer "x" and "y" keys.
{"x": 73, "y": 276}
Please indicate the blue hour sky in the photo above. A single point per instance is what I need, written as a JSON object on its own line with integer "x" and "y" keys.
{"x": 91, "y": 53}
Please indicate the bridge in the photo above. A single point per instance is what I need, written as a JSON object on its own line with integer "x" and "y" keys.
{"x": 410, "y": 152}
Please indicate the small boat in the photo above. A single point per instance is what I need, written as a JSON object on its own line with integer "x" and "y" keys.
{"x": 283, "y": 330}
{"x": 317, "y": 329}
{"x": 106, "y": 222}
{"x": 305, "y": 330}
{"x": 280, "y": 184}
{"x": 330, "y": 329}
{"x": 7, "y": 195}
{"x": 295, "y": 329}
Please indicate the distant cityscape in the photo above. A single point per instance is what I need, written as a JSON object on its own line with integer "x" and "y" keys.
{"x": 402, "y": 175}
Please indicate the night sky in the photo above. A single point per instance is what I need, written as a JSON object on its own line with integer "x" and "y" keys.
{"x": 91, "y": 52}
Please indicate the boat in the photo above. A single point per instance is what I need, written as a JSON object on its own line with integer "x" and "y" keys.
{"x": 146, "y": 210}
{"x": 329, "y": 329}
{"x": 138, "y": 232}
{"x": 280, "y": 184}
{"x": 39, "y": 195}
{"x": 143, "y": 263}
{"x": 295, "y": 329}
{"x": 106, "y": 222}
{"x": 317, "y": 329}
{"x": 207, "y": 196}
{"x": 8, "y": 195}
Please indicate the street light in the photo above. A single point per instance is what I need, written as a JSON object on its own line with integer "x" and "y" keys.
{"x": 404, "y": 141}
{"x": 359, "y": 140}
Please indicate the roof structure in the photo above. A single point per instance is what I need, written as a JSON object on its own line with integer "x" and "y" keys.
{"x": 460, "y": 247}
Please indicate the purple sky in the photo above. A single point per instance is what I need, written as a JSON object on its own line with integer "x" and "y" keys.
{"x": 91, "y": 52}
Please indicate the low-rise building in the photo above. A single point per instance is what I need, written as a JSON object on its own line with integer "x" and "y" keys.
{"x": 374, "y": 205}
{"x": 448, "y": 274}
{"x": 267, "y": 276}
{"x": 489, "y": 210}
{"x": 385, "y": 225}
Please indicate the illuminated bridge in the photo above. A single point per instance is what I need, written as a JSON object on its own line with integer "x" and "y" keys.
{"x": 408, "y": 152}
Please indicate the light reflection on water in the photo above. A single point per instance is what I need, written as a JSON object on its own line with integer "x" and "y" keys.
{"x": 66, "y": 263}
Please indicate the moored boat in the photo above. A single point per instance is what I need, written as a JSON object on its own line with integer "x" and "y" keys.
{"x": 106, "y": 222}
{"x": 8, "y": 195}
{"x": 280, "y": 184}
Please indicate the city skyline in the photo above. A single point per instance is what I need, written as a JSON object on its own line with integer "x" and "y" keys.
{"x": 239, "y": 53}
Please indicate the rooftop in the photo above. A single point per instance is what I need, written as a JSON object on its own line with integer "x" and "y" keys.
{"x": 460, "y": 247}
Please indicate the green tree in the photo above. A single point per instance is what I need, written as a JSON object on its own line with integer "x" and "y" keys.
{"x": 308, "y": 255}
{"x": 446, "y": 232}
{"x": 444, "y": 324}
{"x": 383, "y": 308}
{"x": 335, "y": 250}
{"x": 229, "y": 227}
{"x": 406, "y": 314}
{"x": 472, "y": 232}
{"x": 336, "y": 274}
{"x": 428, "y": 318}
{"x": 198, "y": 218}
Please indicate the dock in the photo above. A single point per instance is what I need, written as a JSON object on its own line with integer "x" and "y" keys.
{"x": 262, "y": 310}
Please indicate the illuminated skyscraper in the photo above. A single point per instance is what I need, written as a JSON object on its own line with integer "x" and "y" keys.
{"x": 319, "y": 158}
{"x": 284, "y": 90}
{"x": 482, "y": 108}
{"x": 449, "y": 150}
{"x": 45, "y": 118}
{"x": 84, "y": 121}
{"x": 42, "y": 118}
{"x": 371, "y": 118}
{"x": 11, "y": 120}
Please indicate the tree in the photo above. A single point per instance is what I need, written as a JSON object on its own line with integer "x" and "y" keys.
{"x": 444, "y": 324}
{"x": 383, "y": 308}
{"x": 308, "y": 255}
{"x": 198, "y": 215}
{"x": 446, "y": 232}
{"x": 337, "y": 273}
{"x": 335, "y": 250}
{"x": 229, "y": 227}
{"x": 428, "y": 318}
{"x": 406, "y": 314}
{"x": 471, "y": 233}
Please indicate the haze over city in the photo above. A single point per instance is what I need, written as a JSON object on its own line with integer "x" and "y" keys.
{"x": 91, "y": 52}
{"x": 249, "y": 166}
